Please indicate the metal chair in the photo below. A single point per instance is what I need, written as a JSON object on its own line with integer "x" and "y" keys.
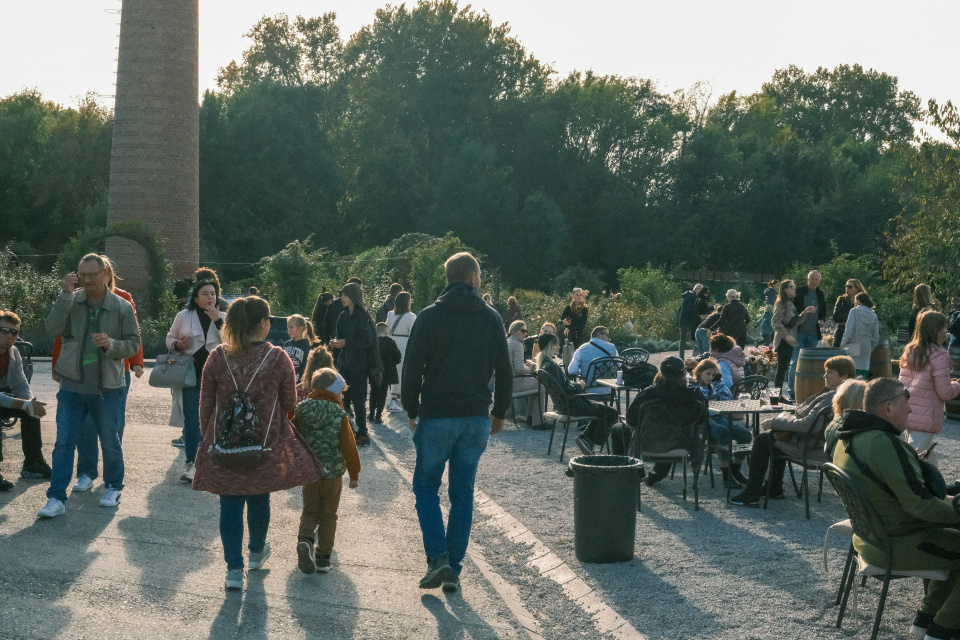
{"x": 754, "y": 386}
{"x": 561, "y": 410}
{"x": 669, "y": 431}
{"x": 601, "y": 368}
{"x": 525, "y": 394}
{"x": 635, "y": 355}
{"x": 869, "y": 527}
{"x": 811, "y": 458}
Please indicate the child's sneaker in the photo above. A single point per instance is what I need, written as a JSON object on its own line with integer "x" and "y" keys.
{"x": 323, "y": 564}
{"x": 306, "y": 560}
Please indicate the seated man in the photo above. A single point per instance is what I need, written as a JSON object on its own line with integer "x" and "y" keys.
{"x": 888, "y": 470}
{"x": 599, "y": 346}
{"x": 787, "y": 431}
{"x": 17, "y": 401}
{"x": 670, "y": 384}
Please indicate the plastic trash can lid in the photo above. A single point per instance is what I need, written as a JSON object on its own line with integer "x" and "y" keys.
{"x": 604, "y": 464}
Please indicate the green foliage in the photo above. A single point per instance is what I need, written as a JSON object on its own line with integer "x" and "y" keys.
{"x": 427, "y": 278}
{"x": 578, "y": 276}
{"x": 27, "y": 292}
{"x": 294, "y": 277}
{"x": 655, "y": 297}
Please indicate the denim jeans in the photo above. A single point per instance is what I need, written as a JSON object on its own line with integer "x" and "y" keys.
{"x": 804, "y": 340}
{"x": 231, "y": 526}
{"x": 72, "y": 409}
{"x": 191, "y": 421}
{"x": 703, "y": 341}
{"x": 88, "y": 452}
{"x": 461, "y": 441}
{"x": 722, "y": 430}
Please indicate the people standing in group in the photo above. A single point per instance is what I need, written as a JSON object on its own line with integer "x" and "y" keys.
{"x": 246, "y": 362}
{"x": 302, "y": 340}
{"x": 689, "y": 317}
{"x": 703, "y": 331}
{"x": 456, "y": 346}
{"x": 703, "y": 304}
{"x": 925, "y": 373}
{"x": 390, "y": 356}
{"x": 522, "y": 369}
{"x": 923, "y": 300}
{"x": 318, "y": 315}
{"x": 334, "y": 309}
{"x": 890, "y": 475}
{"x": 574, "y": 318}
{"x": 389, "y": 303}
{"x": 399, "y": 324}
{"x": 845, "y": 303}
{"x": 324, "y": 425}
{"x": 99, "y": 330}
{"x": 811, "y": 309}
{"x": 772, "y": 292}
{"x": 17, "y": 401}
{"x": 354, "y": 336}
{"x": 862, "y": 333}
{"x": 195, "y": 332}
{"x": 734, "y": 319}
{"x": 785, "y": 320}
{"x": 514, "y": 313}
{"x": 708, "y": 381}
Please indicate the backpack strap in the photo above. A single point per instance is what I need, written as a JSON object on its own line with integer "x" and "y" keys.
{"x": 230, "y": 371}
{"x": 601, "y": 349}
{"x": 396, "y": 322}
{"x": 270, "y": 423}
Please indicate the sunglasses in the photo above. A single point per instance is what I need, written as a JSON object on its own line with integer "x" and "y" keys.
{"x": 524, "y": 331}
{"x": 848, "y": 286}
{"x": 7, "y": 331}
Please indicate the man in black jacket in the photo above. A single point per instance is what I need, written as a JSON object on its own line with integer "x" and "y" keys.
{"x": 808, "y": 331}
{"x": 455, "y": 346}
{"x": 353, "y": 337}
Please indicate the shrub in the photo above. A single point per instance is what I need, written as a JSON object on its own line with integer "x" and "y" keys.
{"x": 27, "y": 292}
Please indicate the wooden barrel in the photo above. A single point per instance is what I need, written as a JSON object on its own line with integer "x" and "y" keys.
{"x": 809, "y": 379}
{"x": 880, "y": 366}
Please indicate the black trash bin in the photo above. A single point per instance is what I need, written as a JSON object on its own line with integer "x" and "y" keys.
{"x": 605, "y": 490}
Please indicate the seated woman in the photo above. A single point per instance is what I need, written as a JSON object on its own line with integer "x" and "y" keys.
{"x": 729, "y": 357}
{"x": 707, "y": 378}
{"x": 518, "y": 332}
{"x": 670, "y": 384}
{"x": 849, "y": 396}
{"x": 598, "y": 430}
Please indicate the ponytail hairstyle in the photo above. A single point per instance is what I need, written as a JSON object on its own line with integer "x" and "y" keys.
{"x": 243, "y": 318}
{"x": 917, "y": 353}
{"x": 307, "y": 327}
{"x": 112, "y": 276}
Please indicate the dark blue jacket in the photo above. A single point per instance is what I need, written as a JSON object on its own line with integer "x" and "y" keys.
{"x": 455, "y": 346}
{"x": 689, "y": 311}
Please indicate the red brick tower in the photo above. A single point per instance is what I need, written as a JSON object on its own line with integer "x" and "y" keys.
{"x": 155, "y": 159}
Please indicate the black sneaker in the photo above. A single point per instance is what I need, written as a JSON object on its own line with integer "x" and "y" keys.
{"x": 438, "y": 570}
{"x": 451, "y": 584}
{"x": 178, "y": 442}
{"x": 36, "y": 470}
{"x": 920, "y": 624}
{"x": 363, "y": 441}
{"x": 745, "y": 499}
{"x": 775, "y": 494}
{"x": 653, "y": 479}
{"x": 323, "y": 564}
{"x": 378, "y": 419}
{"x": 739, "y": 477}
{"x": 5, "y": 485}
{"x": 936, "y": 632}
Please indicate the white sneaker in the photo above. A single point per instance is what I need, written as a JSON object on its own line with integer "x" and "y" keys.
{"x": 52, "y": 509}
{"x": 187, "y": 475}
{"x": 256, "y": 560}
{"x": 234, "y": 580}
{"x": 84, "y": 483}
{"x": 111, "y": 498}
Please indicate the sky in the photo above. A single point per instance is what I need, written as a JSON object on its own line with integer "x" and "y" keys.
{"x": 66, "y": 48}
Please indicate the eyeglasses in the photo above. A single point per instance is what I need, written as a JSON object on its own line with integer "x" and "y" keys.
{"x": 906, "y": 392}
{"x": 7, "y": 331}
{"x": 524, "y": 331}
{"x": 89, "y": 276}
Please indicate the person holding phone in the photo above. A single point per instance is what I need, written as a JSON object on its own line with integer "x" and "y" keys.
{"x": 194, "y": 332}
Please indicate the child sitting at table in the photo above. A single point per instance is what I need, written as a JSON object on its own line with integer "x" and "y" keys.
{"x": 707, "y": 378}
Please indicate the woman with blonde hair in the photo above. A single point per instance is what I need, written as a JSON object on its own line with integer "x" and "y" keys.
{"x": 925, "y": 372}
{"x": 849, "y": 396}
{"x": 574, "y": 318}
{"x": 302, "y": 340}
{"x": 845, "y": 303}
{"x": 245, "y": 361}
{"x": 319, "y": 358}
{"x": 521, "y": 371}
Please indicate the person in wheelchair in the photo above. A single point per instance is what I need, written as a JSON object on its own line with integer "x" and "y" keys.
{"x": 670, "y": 384}
{"x": 598, "y": 430}
{"x": 17, "y": 401}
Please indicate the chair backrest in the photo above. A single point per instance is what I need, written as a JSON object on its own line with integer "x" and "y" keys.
{"x": 607, "y": 367}
{"x": 25, "y": 348}
{"x": 863, "y": 516}
{"x": 561, "y": 404}
{"x": 754, "y": 385}
{"x": 635, "y": 355}
{"x": 663, "y": 425}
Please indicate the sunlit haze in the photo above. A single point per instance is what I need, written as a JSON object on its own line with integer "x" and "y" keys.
{"x": 66, "y": 49}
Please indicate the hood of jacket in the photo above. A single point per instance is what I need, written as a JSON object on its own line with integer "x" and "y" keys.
{"x": 735, "y": 357}
{"x": 868, "y": 314}
{"x": 461, "y": 298}
{"x": 354, "y": 292}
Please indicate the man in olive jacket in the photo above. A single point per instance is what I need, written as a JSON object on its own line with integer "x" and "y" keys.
{"x": 99, "y": 331}
{"x": 888, "y": 470}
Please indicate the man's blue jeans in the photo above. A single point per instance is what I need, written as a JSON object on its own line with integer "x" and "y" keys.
{"x": 804, "y": 341}
{"x": 461, "y": 441}
{"x": 88, "y": 452}
{"x": 72, "y": 409}
{"x": 703, "y": 341}
{"x": 231, "y": 526}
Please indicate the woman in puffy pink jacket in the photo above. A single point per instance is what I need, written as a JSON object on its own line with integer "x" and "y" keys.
{"x": 925, "y": 372}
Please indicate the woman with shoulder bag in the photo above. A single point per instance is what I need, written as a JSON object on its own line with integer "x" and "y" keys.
{"x": 246, "y": 363}
{"x": 195, "y": 332}
{"x": 399, "y": 323}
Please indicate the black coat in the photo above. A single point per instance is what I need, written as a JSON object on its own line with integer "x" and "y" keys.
{"x": 391, "y": 356}
{"x": 821, "y": 305}
{"x": 356, "y": 329}
{"x": 733, "y": 322}
{"x": 577, "y": 323}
